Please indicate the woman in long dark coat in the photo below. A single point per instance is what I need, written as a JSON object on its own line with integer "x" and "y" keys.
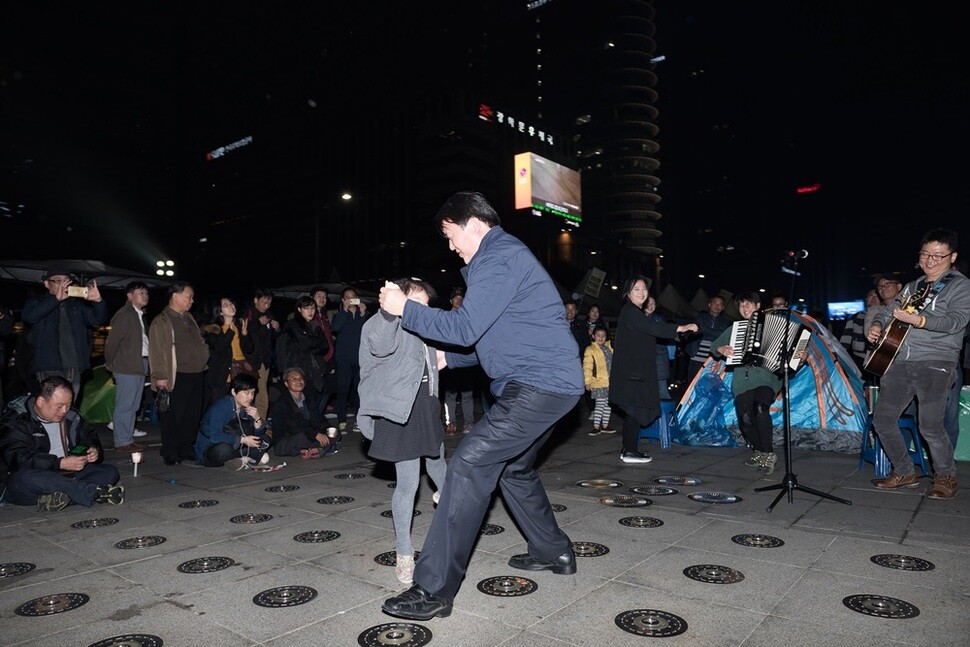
{"x": 633, "y": 375}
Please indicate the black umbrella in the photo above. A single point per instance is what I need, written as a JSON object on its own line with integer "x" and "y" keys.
{"x": 81, "y": 272}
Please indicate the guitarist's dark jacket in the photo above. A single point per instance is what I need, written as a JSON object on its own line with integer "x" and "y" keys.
{"x": 946, "y": 315}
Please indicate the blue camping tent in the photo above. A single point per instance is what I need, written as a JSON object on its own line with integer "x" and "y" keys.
{"x": 827, "y": 401}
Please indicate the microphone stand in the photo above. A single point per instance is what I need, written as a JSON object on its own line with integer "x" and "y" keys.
{"x": 789, "y": 482}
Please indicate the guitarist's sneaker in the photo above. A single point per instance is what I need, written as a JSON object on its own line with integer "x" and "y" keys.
{"x": 895, "y": 481}
{"x": 944, "y": 487}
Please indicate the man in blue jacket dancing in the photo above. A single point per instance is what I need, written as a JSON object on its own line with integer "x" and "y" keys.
{"x": 513, "y": 318}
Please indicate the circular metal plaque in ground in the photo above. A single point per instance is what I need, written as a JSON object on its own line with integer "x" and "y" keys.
{"x": 599, "y": 484}
{"x": 251, "y": 517}
{"x": 507, "y": 586}
{"x": 558, "y": 507}
{"x": 350, "y": 475}
{"x": 130, "y": 640}
{"x": 625, "y": 501}
{"x": 14, "y": 569}
{"x": 650, "y": 622}
{"x": 390, "y": 513}
{"x": 95, "y": 523}
{"x": 881, "y": 606}
{"x": 653, "y": 490}
{"x": 199, "y": 503}
{"x": 641, "y": 522}
{"x": 51, "y": 604}
{"x": 335, "y": 500}
{"x": 902, "y": 562}
{"x": 758, "y": 541}
{"x": 390, "y": 558}
{"x": 678, "y": 480}
{"x": 491, "y": 529}
{"x": 284, "y": 596}
{"x": 400, "y": 634}
{"x": 283, "y": 488}
{"x": 713, "y": 574}
{"x": 589, "y": 549}
{"x": 714, "y": 497}
{"x": 140, "y": 542}
{"x": 316, "y": 536}
{"x": 205, "y": 565}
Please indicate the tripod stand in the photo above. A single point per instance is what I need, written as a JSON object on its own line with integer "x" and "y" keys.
{"x": 789, "y": 483}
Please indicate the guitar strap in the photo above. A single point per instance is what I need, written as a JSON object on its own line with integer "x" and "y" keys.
{"x": 937, "y": 287}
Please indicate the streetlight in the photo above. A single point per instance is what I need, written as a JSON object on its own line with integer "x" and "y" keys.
{"x": 161, "y": 268}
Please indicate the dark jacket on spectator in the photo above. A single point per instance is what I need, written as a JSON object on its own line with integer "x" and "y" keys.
{"x": 24, "y": 443}
{"x": 633, "y": 375}
{"x": 42, "y": 314}
{"x": 301, "y": 347}
{"x": 288, "y": 419}
{"x": 262, "y": 338}
{"x": 347, "y": 327}
{"x": 220, "y": 352}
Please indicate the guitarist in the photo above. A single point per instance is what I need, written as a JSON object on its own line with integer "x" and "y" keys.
{"x": 924, "y": 365}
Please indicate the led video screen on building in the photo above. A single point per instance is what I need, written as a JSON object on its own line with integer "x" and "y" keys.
{"x": 547, "y": 187}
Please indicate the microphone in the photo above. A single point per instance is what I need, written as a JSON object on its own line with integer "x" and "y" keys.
{"x": 801, "y": 253}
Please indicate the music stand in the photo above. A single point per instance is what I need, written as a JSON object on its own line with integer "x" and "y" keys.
{"x": 789, "y": 482}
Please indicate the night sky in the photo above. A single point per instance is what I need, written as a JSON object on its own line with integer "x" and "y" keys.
{"x": 105, "y": 107}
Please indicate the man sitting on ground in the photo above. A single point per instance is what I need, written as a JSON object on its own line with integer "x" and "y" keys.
{"x": 298, "y": 428}
{"x": 50, "y": 456}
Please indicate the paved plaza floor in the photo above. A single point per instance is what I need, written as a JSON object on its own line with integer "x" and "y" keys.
{"x": 194, "y": 553}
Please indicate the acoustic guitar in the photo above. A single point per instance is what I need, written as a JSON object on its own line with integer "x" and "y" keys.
{"x": 892, "y": 336}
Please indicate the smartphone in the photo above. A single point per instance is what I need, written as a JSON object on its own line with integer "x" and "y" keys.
{"x": 78, "y": 450}
{"x": 354, "y": 302}
{"x": 77, "y": 291}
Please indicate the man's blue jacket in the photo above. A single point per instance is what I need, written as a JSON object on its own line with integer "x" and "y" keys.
{"x": 512, "y": 316}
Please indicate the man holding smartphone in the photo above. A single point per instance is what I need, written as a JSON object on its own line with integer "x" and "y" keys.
{"x": 50, "y": 456}
{"x": 59, "y": 324}
{"x": 346, "y": 325}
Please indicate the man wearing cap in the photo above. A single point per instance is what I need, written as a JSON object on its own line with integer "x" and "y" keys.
{"x": 126, "y": 356}
{"x": 59, "y": 328}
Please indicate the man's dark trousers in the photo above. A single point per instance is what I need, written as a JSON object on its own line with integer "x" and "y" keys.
{"x": 501, "y": 448}
{"x": 180, "y": 425}
{"x": 24, "y": 486}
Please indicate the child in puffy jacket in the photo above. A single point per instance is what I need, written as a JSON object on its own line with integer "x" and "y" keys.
{"x": 597, "y": 359}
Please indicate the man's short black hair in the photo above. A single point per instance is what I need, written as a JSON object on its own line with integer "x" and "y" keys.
{"x": 50, "y": 384}
{"x": 751, "y": 297}
{"x": 943, "y": 236}
{"x": 178, "y": 287}
{"x": 243, "y": 382}
{"x": 135, "y": 285}
{"x": 259, "y": 293}
{"x": 465, "y": 205}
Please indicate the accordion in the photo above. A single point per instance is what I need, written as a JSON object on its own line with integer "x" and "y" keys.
{"x": 761, "y": 341}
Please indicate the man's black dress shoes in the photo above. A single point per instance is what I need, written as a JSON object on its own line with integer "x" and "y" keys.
{"x": 417, "y": 604}
{"x": 565, "y": 564}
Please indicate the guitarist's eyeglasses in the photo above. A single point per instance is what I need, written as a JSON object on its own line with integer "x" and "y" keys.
{"x": 936, "y": 257}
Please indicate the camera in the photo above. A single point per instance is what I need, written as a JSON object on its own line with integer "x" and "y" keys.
{"x": 77, "y": 291}
{"x": 354, "y": 302}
